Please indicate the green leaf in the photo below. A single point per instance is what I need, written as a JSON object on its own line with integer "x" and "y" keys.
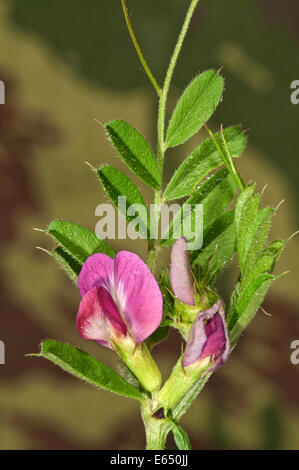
{"x": 220, "y": 190}
{"x": 182, "y": 406}
{"x": 135, "y": 152}
{"x": 247, "y": 304}
{"x": 219, "y": 245}
{"x": 256, "y": 260}
{"x": 168, "y": 297}
{"x": 181, "y": 437}
{"x": 255, "y": 239}
{"x": 87, "y": 368}
{"x": 195, "y": 106}
{"x": 202, "y": 161}
{"x": 262, "y": 265}
{"x": 249, "y": 212}
{"x": 71, "y": 266}
{"x": 67, "y": 262}
{"x": 78, "y": 241}
{"x": 275, "y": 248}
{"x": 245, "y": 195}
{"x": 215, "y": 194}
{"x": 117, "y": 184}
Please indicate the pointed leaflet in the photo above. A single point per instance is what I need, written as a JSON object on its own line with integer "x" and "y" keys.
{"x": 78, "y": 241}
{"x": 255, "y": 239}
{"x": 247, "y": 304}
{"x": 215, "y": 194}
{"x": 263, "y": 264}
{"x": 87, "y": 368}
{"x": 196, "y": 105}
{"x": 135, "y": 152}
{"x": 180, "y": 437}
{"x": 275, "y": 248}
{"x": 202, "y": 161}
{"x": 256, "y": 261}
{"x": 219, "y": 245}
{"x": 117, "y": 184}
{"x": 71, "y": 266}
{"x": 245, "y": 195}
{"x": 248, "y": 212}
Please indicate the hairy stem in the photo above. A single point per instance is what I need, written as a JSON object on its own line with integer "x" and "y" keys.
{"x": 154, "y": 249}
{"x": 156, "y": 429}
{"x": 154, "y": 245}
{"x": 138, "y": 49}
{"x": 167, "y": 83}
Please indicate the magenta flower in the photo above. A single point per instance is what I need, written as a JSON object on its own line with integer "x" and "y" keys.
{"x": 208, "y": 336}
{"x": 121, "y": 299}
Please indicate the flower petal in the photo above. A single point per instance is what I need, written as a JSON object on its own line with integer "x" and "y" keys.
{"x": 110, "y": 310}
{"x": 95, "y": 272}
{"x": 180, "y": 274}
{"x": 137, "y": 295}
{"x": 98, "y": 317}
{"x": 215, "y": 343}
{"x": 208, "y": 337}
{"x": 196, "y": 341}
{"x": 226, "y": 350}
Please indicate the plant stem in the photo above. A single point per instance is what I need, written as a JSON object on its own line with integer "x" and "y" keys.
{"x": 154, "y": 245}
{"x": 154, "y": 249}
{"x": 138, "y": 50}
{"x": 227, "y": 159}
{"x": 167, "y": 82}
{"x": 156, "y": 430}
{"x": 236, "y": 174}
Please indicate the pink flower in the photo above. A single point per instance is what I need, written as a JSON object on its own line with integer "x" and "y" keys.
{"x": 121, "y": 299}
{"x": 208, "y": 336}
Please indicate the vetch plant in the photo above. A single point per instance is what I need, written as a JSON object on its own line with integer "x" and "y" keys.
{"x": 123, "y": 306}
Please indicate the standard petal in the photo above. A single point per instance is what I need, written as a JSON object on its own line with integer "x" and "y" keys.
{"x": 180, "y": 275}
{"x": 196, "y": 341}
{"x": 98, "y": 317}
{"x": 95, "y": 272}
{"x": 137, "y": 295}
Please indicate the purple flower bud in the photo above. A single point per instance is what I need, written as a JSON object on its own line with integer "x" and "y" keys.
{"x": 208, "y": 338}
{"x": 121, "y": 300}
{"x": 181, "y": 279}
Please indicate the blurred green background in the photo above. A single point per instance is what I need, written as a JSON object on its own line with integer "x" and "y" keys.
{"x": 66, "y": 63}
